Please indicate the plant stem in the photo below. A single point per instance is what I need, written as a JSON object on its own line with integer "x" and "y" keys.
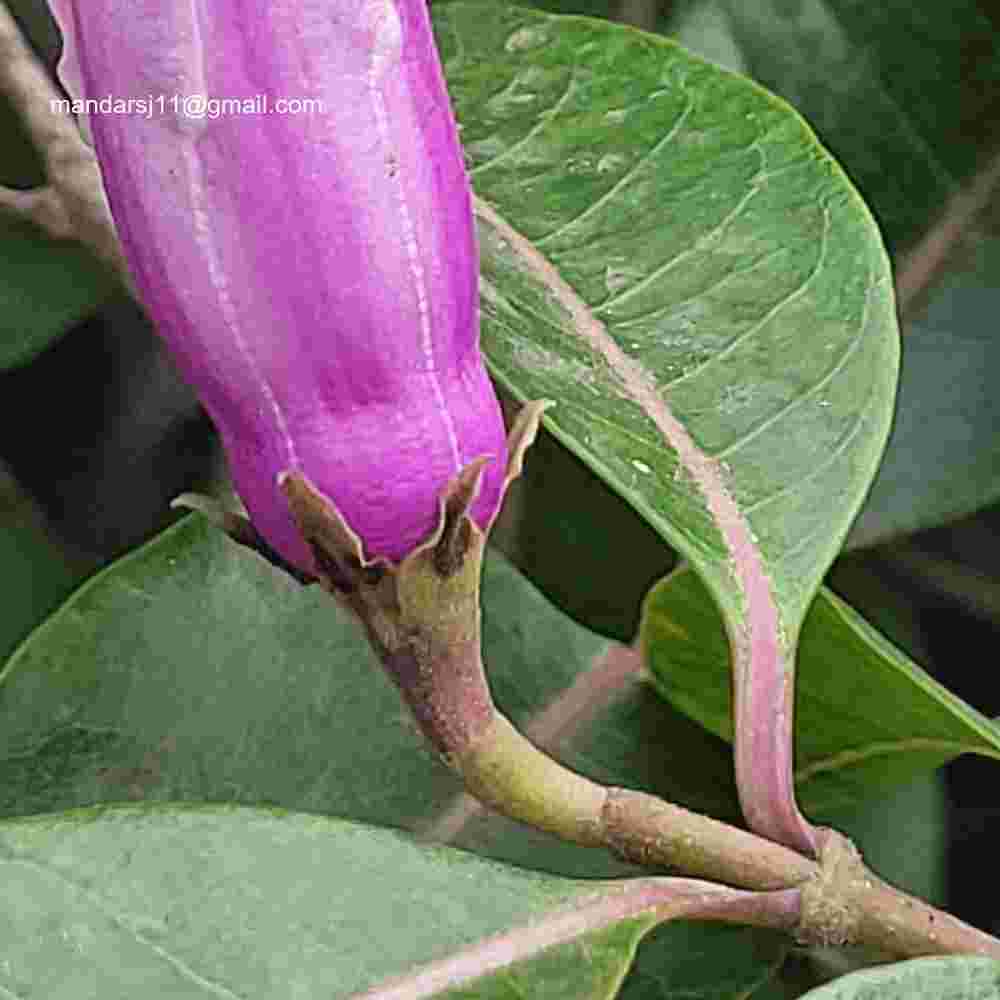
{"x": 763, "y": 659}
{"x": 423, "y": 619}
{"x": 512, "y": 776}
{"x": 655, "y": 900}
{"x": 843, "y": 902}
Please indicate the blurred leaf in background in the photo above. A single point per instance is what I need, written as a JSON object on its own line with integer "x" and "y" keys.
{"x": 906, "y": 95}
{"x": 45, "y": 286}
{"x": 36, "y": 573}
{"x": 95, "y": 425}
{"x": 943, "y": 458}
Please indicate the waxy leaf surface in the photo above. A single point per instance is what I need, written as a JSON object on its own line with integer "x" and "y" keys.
{"x": 724, "y": 350}
{"x": 111, "y": 903}
{"x": 957, "y": 978}
{"x": 671, "y": 256}
{"x": 191, "y": 670}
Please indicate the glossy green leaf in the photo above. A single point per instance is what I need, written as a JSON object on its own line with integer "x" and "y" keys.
{"x": 866, "y": 716}
{"x": 904, "y": 93}
{"x": 964, "y": 978}
{"x": 670, "y": 255}
{"x": 231, "y": 902}
{"x": 739, "y": 278}
{"x": 923, "y": 154}
{"x": 192, "y": 670}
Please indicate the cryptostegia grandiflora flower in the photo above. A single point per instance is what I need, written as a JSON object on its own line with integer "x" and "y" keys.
{"x": 313, "y": 267}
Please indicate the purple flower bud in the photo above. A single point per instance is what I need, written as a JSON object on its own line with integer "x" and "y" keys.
{"x": 313, "y": 267}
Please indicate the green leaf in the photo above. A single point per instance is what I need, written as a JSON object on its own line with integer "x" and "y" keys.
{"x": 233, "y": 902}
{"x": 920, "y": 807}
{"x": 669, "y": 254}
{"x": 192, "y": 670}
{"x": 35, "y": 574}
{"x": 867, "y": 717}
{"x": 943, "y": 457}
{"x": 903, "y": 93}
{"x": 674, "y": 957}
{"x": 924, "y": 156}
{"x": 965, "y": 978}
{"x": 45, "y": 288}
{"x": 738, "y": 276}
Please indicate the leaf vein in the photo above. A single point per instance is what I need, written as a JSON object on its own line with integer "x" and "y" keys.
{"x": 670, "y": 264}
{"x": 653, "y": 151}
{"x": 771, "y": 313}
{"x": 818, "y": 470}
{"x": 858, "y": 755}
{"x": 544, "y": 119}
{"x": 792, "y": 403}
{"x": 736, "y": 272}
